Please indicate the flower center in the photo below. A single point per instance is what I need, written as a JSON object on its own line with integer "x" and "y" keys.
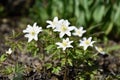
{"x": 100, "y": 49}
{"x": 32, "y": 33}
{"x": 87, "y": 42}
{"x": 63, "y": 28}
{"x": 78, "y": 32}
{"x": 64, "y": 44}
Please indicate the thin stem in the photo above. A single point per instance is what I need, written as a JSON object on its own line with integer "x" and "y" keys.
{"x": 65, "y": 74}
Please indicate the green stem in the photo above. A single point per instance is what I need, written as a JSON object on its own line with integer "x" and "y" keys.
{"x": 65, "y": 74}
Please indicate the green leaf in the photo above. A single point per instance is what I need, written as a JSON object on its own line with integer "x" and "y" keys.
{"x": 8, "y": 70}
{"x": 70, "y": 62}
{"x": 111, "y": 48}
{"x": 79, "y": 53}
{"x": 109, "y": 28}
{"x": 48, "y": 65}
{"x": 77, "y": 8}
{"x": 88, "y": 15}
{"x": 117, "y": 16}
{"x": 81, "y": 18}
{"x": 56, "y": 70}
{"x": 49, "y": 48}
{"x": 2, "y": 58}
{"x": 18, "y": 68}
{"x": 62, "y": 62}
{"x": 18, "y": 77}
{"x": 99, "y": 13}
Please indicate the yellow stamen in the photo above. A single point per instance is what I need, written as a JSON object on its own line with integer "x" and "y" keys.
{"x": 63, "y": 28}
{"x": 87, "y": 42}
{"x": 100, "y": 49}
{"x": 33, "y": 33}
{"x": 78, "y": 32}
{"x": 64, "y": 44}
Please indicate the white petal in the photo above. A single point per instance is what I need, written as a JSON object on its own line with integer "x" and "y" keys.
{"x": 27, "y": 35}
{"x": 50, "y": 22}
{"x": 70, "y": 46}
{"x": 71, "y": 28}
{"x": 36, "y": 37}
{"x": 34, "y": 25}
{"x": 29, "y": 26}
{"x": 81, "y": 28}
{"x": 85, "y": 47}
{"x": 38, "y": 29}
{"x": 84, "y": 39}
{"x": 58, "y": 43}
{"x": 68, "y": 33}
{"x": 71, "y": 42}
{"x": 84, "y": 31}
{"x": 55, "y": 19}
{"x": 90, "y": 38}
{"x": 61, "y": 34}
{"x": 30, "y": 39}
{"x": 24, "y": 31}
{"x": 49, "y": 26}
{"x": 64, "y": 48}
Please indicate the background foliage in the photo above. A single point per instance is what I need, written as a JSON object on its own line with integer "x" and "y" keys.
{"x": 103, "y": 13}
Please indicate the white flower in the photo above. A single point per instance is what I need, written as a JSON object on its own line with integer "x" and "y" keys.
{"x": 100, "y": 50}
{"x": 32, "y": 32}
{"x": 64, "y": 28}
{"x": 79, "y": 32}
{"x": 53, "y": 23}
{"x": 9, "y": 51}
{"x": 65, "y": 44}
{"x": 86, "y": 42}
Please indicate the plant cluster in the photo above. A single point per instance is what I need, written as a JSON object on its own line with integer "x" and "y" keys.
{"x": 75, "y": 50}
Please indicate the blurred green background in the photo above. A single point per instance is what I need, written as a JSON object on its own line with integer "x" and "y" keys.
{"x": 95, "y": 15}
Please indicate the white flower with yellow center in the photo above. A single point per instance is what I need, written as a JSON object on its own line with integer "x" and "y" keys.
{"x": 79, "y": 32}
{"x": 32, "y": 32}
{"x": 100, "y": 50}
{"x": 66, "y": 43}
{"x": 86, "y": 43}
{"x": 64, "y": 28}
{"x": 9, "y": 51}
{"x": 53, "y": 23}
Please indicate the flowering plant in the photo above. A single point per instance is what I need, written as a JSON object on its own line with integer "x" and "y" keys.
{"x": 73, "y": 46}
{"x": 59, "y": 46}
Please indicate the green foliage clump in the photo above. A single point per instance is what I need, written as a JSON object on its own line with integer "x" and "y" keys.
{"x": 81, "y": 12}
